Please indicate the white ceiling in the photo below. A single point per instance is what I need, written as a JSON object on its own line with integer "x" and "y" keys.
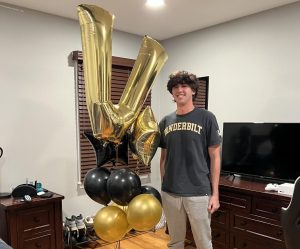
{"x": 175, "y": 18}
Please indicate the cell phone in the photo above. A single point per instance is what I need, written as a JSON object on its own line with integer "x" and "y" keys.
{"x": 47, "y": 195}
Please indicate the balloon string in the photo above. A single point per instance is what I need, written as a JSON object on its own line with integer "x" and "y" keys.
{"x": 117, "y": 153}
{"x": 118, "y": 245}
{"x": 137, "y": 169}
{"x": 124, "y": 208}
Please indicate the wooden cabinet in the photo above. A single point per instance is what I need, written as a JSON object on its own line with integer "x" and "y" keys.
{"x": 249, "y": 216}
{"x": 32, "y": 225}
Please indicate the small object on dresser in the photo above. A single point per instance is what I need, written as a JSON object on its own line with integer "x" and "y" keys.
{"x": 286, "y": 188}
{"x": 38, "y": 187}
{"x": 27, "y": 198}
{"x": 272, "y": 187}
{"x": 24, "y": 189}
{"x": 40, "y": 193}
{"x": 46, "y": 195}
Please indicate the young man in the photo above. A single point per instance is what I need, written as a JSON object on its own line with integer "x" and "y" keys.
{"x": 189, "y": 164}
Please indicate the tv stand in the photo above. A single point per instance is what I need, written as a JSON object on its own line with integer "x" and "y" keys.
{"x": 228, "y": 176}
{"x": 249, "y": 216}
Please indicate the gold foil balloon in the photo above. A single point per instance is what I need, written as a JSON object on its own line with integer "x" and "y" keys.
{"x": 144, "y": 212}
{"x": 145, "y": 136}
{"x": 108, "y": 121}
{"x": 110, "y": 224}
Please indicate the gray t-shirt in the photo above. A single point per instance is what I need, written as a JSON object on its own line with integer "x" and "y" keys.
{"x": 187, "y": 138}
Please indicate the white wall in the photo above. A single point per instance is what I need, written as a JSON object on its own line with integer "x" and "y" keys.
{"x": 252, "y": 64}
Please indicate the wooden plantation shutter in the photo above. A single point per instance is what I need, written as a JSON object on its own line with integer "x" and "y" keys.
{"x": 202, "y": 97}
{"x": 121, "y": 69}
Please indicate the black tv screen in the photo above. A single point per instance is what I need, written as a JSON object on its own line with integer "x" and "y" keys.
{"x": 264, "y": 150}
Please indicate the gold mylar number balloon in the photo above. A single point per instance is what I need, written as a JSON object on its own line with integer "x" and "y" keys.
{"x": 144, "y": 212}
{"x": 108, "y": 121}
{"x": 110, "y": 224}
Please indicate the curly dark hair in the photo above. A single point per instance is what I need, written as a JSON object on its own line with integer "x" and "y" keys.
{"x": 183, "y": 77}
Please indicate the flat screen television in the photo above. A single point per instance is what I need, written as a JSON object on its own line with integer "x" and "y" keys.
{"x": 264, "y": 150}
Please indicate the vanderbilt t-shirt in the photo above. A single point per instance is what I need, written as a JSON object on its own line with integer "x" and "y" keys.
{"x": 187, "y": 138}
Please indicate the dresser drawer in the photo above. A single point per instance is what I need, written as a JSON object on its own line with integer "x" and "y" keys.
{"x": 33, "y": 225}
{"x": 45, "y": 241}
{"x": 37, "y": 218}
{"x": 268, "y": 208}
{"x": 236, "y": 201}
{"x": 256, "y": 227}
{"x": 220, "y": 217}
{"x": 241, "y": 242}
{"x": 218, "y": 237}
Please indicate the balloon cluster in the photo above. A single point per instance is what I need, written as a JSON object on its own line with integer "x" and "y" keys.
{"x": 117, "y": 126}
{"x": 133, "y": 206}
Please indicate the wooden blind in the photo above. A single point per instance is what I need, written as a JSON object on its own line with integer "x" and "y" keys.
{"x": 202, "y": 97}
{"x": 121, "y": 69}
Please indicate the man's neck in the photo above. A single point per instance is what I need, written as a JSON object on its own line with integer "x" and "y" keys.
{"x": 184, "y": 109}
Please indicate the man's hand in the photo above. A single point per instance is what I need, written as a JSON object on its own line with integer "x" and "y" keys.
{"x": 213, "y": 204}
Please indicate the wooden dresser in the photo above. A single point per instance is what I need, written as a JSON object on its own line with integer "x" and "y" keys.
{"x": 29, "y": 225}
{"x": 249, "y": 216}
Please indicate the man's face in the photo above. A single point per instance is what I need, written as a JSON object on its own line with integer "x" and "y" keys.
{"x": 182, "y": 94}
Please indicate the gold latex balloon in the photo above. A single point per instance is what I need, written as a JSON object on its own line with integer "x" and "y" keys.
{"x": 144, "y": 212}
{"x": 110, "y": 224}
{"x": 108, "y": 121}
{"x": 145, "y": 136}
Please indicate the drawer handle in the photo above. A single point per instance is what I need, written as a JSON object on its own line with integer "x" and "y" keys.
{"x": 36, "y": 219}
{"x": 38, "y": 245}
{"x": 243, "y": 223}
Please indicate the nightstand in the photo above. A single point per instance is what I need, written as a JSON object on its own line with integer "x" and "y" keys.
{"x": 35, "y": 224}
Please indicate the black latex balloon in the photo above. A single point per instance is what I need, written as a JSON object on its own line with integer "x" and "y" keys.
{"x": 95, "y": 185}
{"x": 123, "y": 185}
{"x": 108, "y": 151}
{"x": 152, "y": 191}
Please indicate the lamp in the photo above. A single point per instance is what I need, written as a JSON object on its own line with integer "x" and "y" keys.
{"x": 155, "y": 3}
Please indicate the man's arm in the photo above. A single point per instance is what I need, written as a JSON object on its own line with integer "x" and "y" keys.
{"x": 215, "y": 168}
{"x": 163, "y": 156}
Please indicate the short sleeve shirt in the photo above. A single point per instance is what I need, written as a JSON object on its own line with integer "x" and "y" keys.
{"x": 187, "y": 138}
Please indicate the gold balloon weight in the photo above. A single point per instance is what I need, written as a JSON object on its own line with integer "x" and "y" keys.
{"x": 110, "y": 122}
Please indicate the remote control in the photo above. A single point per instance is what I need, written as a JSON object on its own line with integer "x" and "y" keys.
{"x": 47, "y": 195}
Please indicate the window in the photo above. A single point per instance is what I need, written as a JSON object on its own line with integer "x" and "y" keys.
{"x": 121, "y": 69}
